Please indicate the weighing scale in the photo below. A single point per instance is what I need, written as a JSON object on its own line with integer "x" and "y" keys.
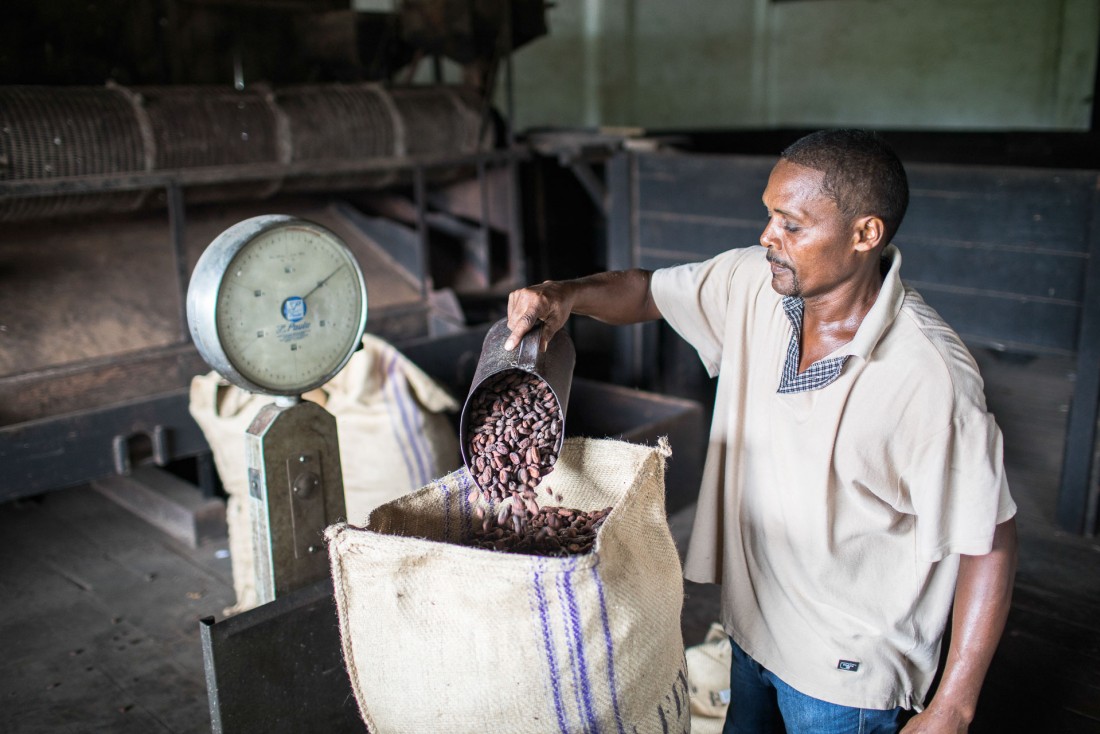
{"x": 277, "y": 305}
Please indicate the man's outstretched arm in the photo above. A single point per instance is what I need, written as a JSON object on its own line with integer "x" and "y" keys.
{"x": 619, "y": 297}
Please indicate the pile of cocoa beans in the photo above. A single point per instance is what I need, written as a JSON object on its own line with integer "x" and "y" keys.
{"x": 552, "y": 531}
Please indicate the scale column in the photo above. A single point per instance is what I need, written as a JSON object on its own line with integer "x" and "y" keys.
{"x": 296, "y": 490}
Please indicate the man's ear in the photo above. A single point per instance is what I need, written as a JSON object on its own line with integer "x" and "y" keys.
{"x": 868, "y": 233}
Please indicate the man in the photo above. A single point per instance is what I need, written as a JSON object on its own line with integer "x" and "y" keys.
{"x": 854, "y": 491}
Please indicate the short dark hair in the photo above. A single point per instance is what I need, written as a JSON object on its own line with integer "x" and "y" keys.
{"x": 863, "y": 175}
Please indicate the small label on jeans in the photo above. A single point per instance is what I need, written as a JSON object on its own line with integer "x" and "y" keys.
{"x": 720, "y": 698}
{"x": 850, "y": 665}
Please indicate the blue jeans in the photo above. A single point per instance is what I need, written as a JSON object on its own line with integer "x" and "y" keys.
{"x": 758, "y": 698}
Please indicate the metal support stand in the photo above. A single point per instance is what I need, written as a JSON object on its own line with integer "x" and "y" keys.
{"x": 297, "y": 490}
{"x": 280, "y": 668}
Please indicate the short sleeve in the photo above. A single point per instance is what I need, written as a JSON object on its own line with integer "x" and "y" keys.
{"x": 958, "y": 489}
{"x": 694, "y": 300}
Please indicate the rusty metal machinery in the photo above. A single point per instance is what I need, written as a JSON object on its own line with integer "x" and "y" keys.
{"x": 300, "y": 138}
{"x": 88, "y": 174}
{"x": 105, "y": 191}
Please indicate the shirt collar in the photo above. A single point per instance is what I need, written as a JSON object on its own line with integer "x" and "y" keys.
{"x": 885, "y": 309}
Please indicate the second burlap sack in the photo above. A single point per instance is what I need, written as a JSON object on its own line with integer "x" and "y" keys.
{"x": 709, "y": 679}
{"x": 441, "y": 637}
{"x": 393, "y": 430}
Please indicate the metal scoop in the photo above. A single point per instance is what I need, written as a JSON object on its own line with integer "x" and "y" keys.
{"x": 554, "y": 367}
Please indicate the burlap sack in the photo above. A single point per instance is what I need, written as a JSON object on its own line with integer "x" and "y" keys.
{"x": 709, "y": 676}
{"x": 394, "y": 434}
{"x": 440, "y": 637}
{"x": 394, "y": 437}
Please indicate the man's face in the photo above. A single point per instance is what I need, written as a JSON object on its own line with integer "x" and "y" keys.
{"x": 809, "y": 242}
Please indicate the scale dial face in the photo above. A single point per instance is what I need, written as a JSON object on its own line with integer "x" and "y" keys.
{"x": 277, "y": 305}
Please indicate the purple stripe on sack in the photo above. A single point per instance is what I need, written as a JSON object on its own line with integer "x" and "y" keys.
{"x": 610, "y": 647}
{"x": 413, "y": 428}
{"x": 580, "y": 670}
{"x": 683, "y": 685}
{"x": 548, "y": 646}
{"x": 405, "y": 454}
{"x": 415, "y": 437}
{"x": 465, "y": 483}
{"x": 664, "y": 722}
{"x": 564, "y": 606}
{"x": 446, "y": 508}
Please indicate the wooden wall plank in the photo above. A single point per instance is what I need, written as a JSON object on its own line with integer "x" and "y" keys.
{"x": 1055, "y": 277}
{"x": 1011, "y": 323}
{"x": 678, "y": 240}
{"x": 708, "y": 185}
{"x": 1078, "y": 494}
{"x": 1036, "y": 208}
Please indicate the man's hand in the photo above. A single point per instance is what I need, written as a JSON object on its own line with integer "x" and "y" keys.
{"x": 618, "y": 297}
{"x": 549, "y": 303}
{"x": 935, "y": 721}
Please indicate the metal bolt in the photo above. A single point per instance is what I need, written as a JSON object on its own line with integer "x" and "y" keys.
{"x": 312, "y": 549}
{"x": 305, "y": 484}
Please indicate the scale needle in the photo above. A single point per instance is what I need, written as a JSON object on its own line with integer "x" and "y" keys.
{"x": 321, "y": 283}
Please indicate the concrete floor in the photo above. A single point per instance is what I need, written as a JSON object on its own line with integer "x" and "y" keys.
{"x": 100, "y": 628}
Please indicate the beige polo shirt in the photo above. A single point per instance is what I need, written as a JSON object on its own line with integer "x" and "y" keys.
{"x": 833, "y": 518}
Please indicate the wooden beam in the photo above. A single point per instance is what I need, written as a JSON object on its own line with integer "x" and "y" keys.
{"x": 1076, "y": 495}
{"x": 167, "y": 502}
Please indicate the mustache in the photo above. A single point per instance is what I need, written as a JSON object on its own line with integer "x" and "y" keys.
{"x": 778, "y": 262}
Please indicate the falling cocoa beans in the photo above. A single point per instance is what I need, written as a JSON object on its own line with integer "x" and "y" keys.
{"x": 513, "y": 431}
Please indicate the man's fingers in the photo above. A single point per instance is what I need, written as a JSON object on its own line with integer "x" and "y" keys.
{"x": 551, "y": 325}
{"x": 519, "y": 325}
{"x": 529, "y": 307}
{"x": 512, "y": 340}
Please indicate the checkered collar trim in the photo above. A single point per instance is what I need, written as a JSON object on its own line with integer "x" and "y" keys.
{"x": 820, "y": 373}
